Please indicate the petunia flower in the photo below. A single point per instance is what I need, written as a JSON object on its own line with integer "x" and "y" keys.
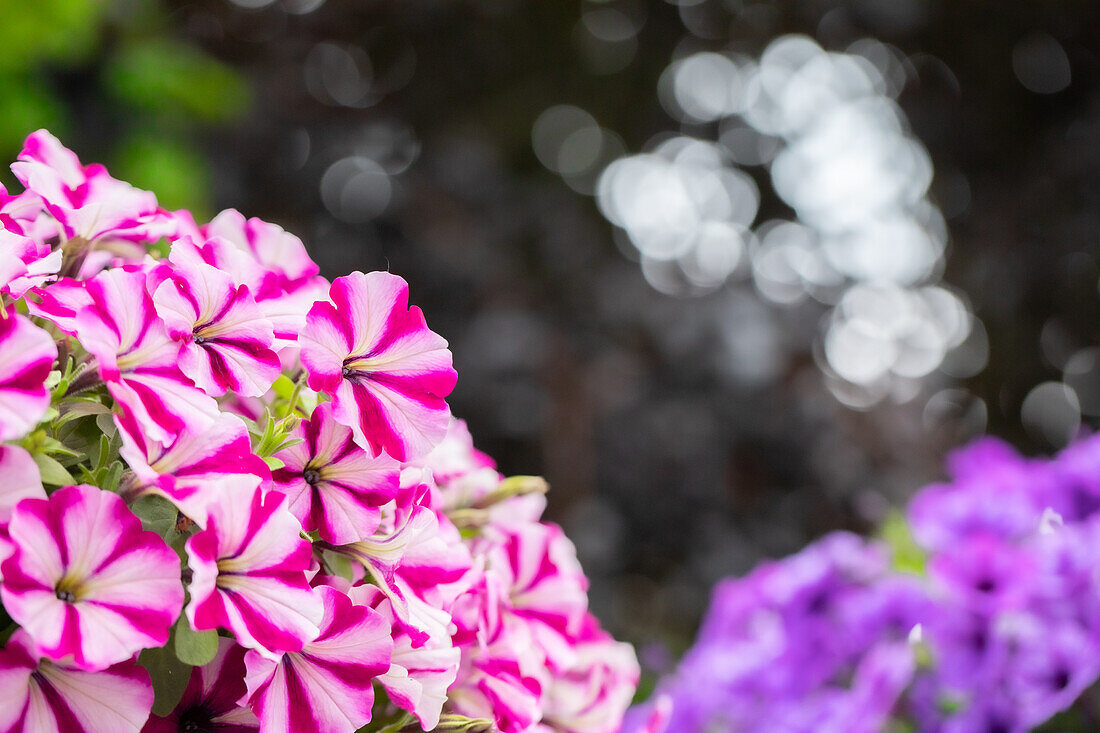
{"x": 24, "y": 261}
{"x": 332, "y": 485}
{"x": 592, "y": 695}
{"x": 278, "y": 251}
{"x": 418, "y": 676}
{"x": 282, "y": 300}
{"x": 387, "y": 373}
{"x": 494, "y": 685}
{"x": 86, "y": 201}
{"x": 113, "y": 317}
{"x": 40, "y": 695}
{"x": 249, "y": 574}
{"x": 199, "y": 464}
{"x": 224, "y": 339}
{"x": 27, "y": 354}
{"x": 210, "y": 702}
{"x": 546, "y": 590}
{"x": 86, "y": 581}
{"x": 327, "y": 686}
{"x": 414, "y": 547}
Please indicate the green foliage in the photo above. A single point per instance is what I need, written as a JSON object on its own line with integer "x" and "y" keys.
{"x": 194, "y": 647}
{"x": 60, "y": 31}
{"x": 27, "y": 104}
{"x": 53, "y": 473}
{"x": 908, "y": 556}
{"x": 169, "y": 676}
{"x": 168, "y": 86}
{"x": 168, "y": 77}
{"x": 176, "y": 171}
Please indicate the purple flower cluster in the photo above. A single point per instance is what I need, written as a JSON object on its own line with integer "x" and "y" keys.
{"x": 984, "y": 616}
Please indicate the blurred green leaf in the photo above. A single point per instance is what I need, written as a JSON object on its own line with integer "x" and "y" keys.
{"x": 908, "y": 555}
{"x": 177, "y": 173}
{"x": 60, "y": 31}
{"x": 169, "y": 77}
{"x": 26, "y": 104}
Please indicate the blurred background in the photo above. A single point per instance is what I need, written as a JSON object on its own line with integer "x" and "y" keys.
{"x": 730, "y": 274}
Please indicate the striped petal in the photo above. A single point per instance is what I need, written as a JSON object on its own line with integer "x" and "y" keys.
{"x": 197, "y": 466}
{"x": 334, "y": 486}
{"x": 388, "y": 374}
{"x": 327, "y": 686}
{"x": 225, "y": 340}
{"x": 40, "y": 696}
{"x": 86, "y": 581}
{"x": 249, "y": 574}
{"x": 273, "y": 247}
{"x": 85, "y": 200}
{"x": 27, "y": 354}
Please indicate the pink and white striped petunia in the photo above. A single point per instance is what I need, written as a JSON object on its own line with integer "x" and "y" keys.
{"x": 547, "y": 590}
{"x": 21, "y": 480}
{"x": 27, "y": 354}
{"x": 278, "y": 251}
{"x": 416, "y": 548}
{"x": 327, "y": 686}
{"x": 387, "y": 373}
{"x": 493, "y": 684}
{"x": 224, "y": 339}
{"x": 419, "y": 676}
{"x": 113, "y": 317}
{"x": 201, "y": 463}
{"x": 592, "y": 695}
{"x": 332, "y": 485}
{"x": 39, "y": 695}
{"x": 249, "y": 574}
{"x": 86, "y": 581}
{"x": 282, "y": 301}
{"x": 86, "y": 201}
{"x": 210, "y": 702}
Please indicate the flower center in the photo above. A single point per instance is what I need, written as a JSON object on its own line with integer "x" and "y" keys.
{"x": 195, "y": 719}
{"x": 312, "y": 476}
{"x": 66, "y": 590}
{"x": 198, "y": 339}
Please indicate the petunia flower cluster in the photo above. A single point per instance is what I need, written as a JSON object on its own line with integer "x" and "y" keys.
{"x": 981, "y": 612}
{"x": 233, "y": 496}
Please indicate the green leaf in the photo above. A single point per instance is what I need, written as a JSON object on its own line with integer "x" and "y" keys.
{"x": 170, "y": 166}
{"x": 908, "y": 555}
{"x": 56, "y": 447}
{"x": 81, "y": 408}
{"x": 169, "y": 676}
{"x": 53, "y": 473}
{"x": 274, "y": 463}
{"x": 113, "y": 477}
{"x": 340, "y": 565}
{"x": 176, "y": 79}
{"x": 156, "y": 513}
{"x": 283, "y": 387}
{"x": 106, "y": 425}
{"x": 194, "y": 647}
